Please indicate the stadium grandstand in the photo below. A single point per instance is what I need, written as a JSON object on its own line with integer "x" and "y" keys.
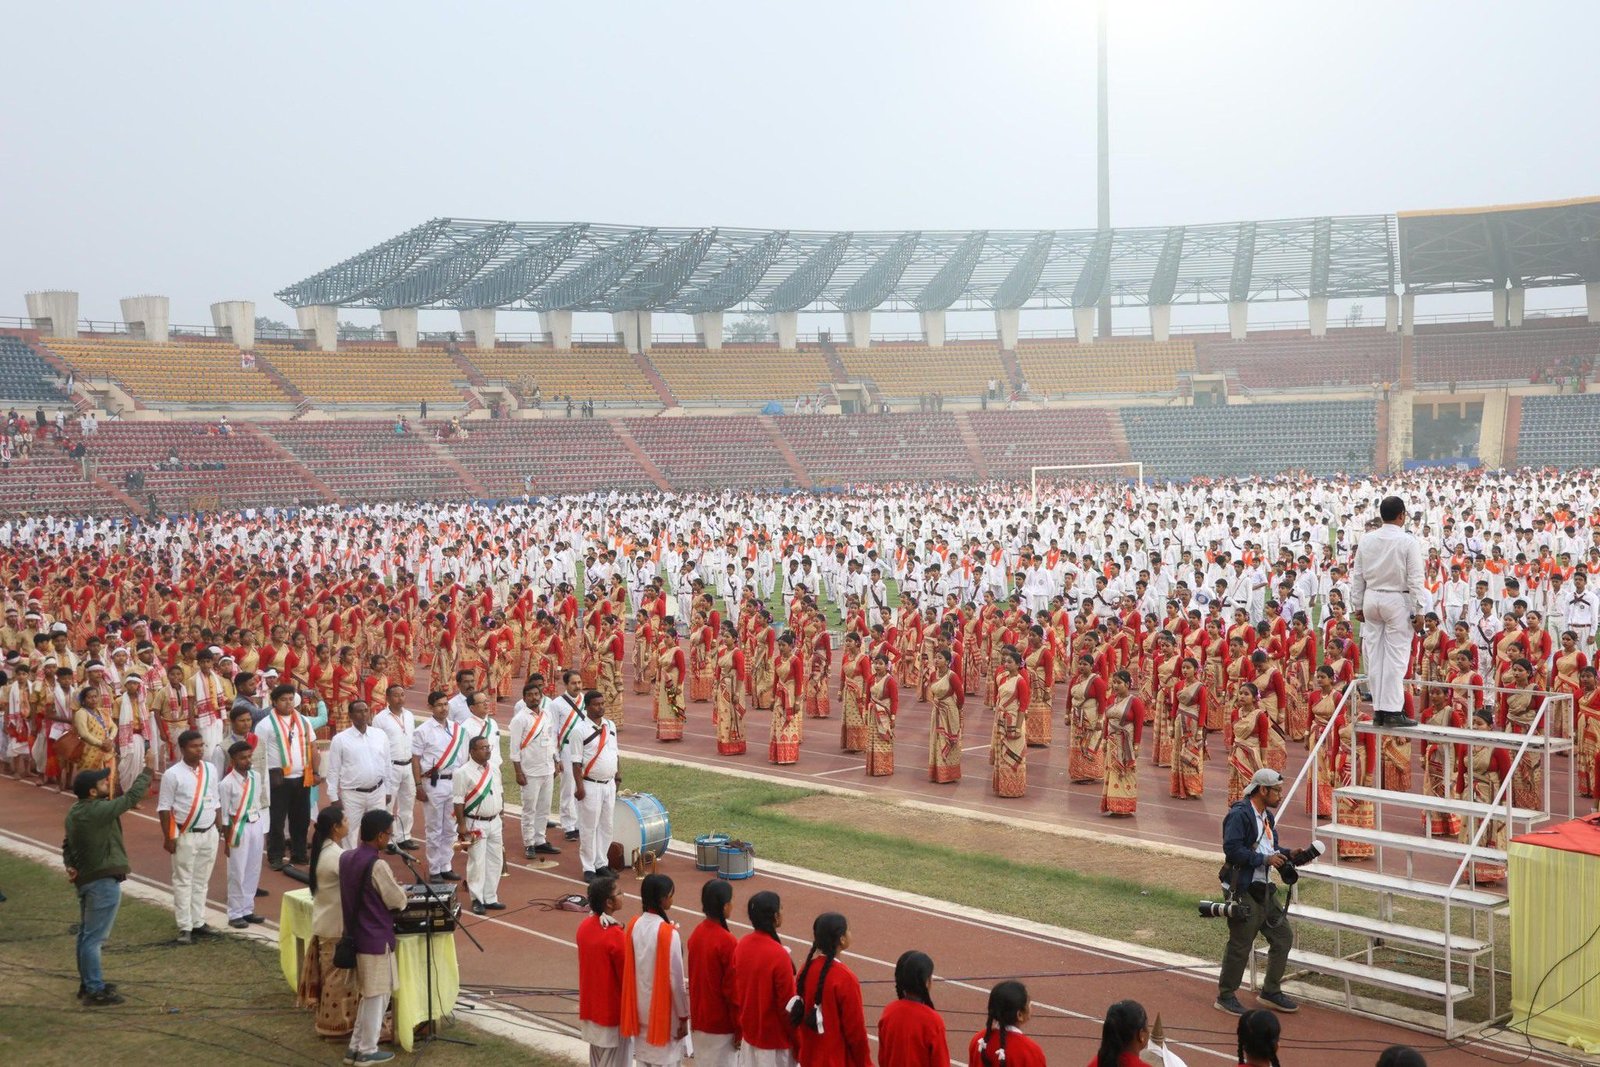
{"x": 317, "y": 418}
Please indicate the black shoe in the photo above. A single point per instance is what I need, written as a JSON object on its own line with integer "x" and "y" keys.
{"x": 255, "y": 920}
{"x": 205, "y": 930}
{"x": 276, "y": 865}
{"x": 410, "y": 845}
{"x": 496, "y": 906}
{"x": 1397, "y": 720}
{"x": 393, "y": 849}
{"x": 262, "y": 893}
{"x": 1278, "y": 1002}
{"x": 108, "y": 987}
{"x": 551, "y": 824}
{"x": 572, "y": 835}
{"x": 589, "y": 876}
{"x": 448, "y": 876}
{"x": 477, "y": 907}
{"x": 528, "y": 852}
{"x": 103, "y": 999}
{"x": 238, "y": 924}
{"x": 546, "y": 849}
{"x": 1229, "y": 1004}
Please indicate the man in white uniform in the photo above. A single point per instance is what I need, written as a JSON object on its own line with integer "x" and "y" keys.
{"x": 1384, "y": 589}
{"x": 533, "y": 758}
{"x": 242, "y": 796}
{"x": 479, "y": 798}
{"x": 566, "y": 713}
{"x": 438, "y": 750}
{"x": 398, "y": 724}
{"x": 188, "y": 812}
{"x": 591, "y": 759}
{"x": 358, "y": 770}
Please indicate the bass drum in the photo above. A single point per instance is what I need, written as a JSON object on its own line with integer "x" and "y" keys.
{"x": 641, "y": 826}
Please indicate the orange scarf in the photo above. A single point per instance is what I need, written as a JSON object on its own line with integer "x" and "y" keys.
{"x": 660, "y": 1023}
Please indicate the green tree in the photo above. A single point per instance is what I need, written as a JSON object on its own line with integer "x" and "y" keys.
{"x": 748, "y": 329}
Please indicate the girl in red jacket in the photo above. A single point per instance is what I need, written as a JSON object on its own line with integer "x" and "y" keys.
{"x": 826, "y": 1011}
{"x": 1002, "y": 1043}
{"x": 763, "y": 986}
{"x": 1123, "y": 1035}
{"x": 713, "y": 1012}
{"x": 910, "y": 1032}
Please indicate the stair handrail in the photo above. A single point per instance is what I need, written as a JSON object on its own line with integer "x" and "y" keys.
{"x": 1310, "y": 766}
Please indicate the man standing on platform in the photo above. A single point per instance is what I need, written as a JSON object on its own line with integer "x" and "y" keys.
{"x": 188, "y": 813}
{"x": 479, "y": 798}
{"x": 358, "y": 769}
{"x": 1385, "y": 586}
{"x": 438, "y": 750}
{"x": 398, "y": 724}
{"x": 591, "y": 759}
{"x": 533, "y": 758}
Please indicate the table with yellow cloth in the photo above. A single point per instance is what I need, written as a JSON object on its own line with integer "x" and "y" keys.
{"x": 1554, "y": 876}
{"x": 411, "y": 960}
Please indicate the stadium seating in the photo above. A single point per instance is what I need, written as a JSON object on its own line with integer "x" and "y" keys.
{"x": 1252, "y": 439}
{"x": 877, "y": 448}
{"x": 740, "y": 373}
{"x": 24, "y": 376}
{"x": 1014, "y": 441}
{"x": 1559, "y": 431}
{"x": 50, "y": 483}
{"x": 712, "y": 453}
{"x": 254, "y": 474}
{"x": 366, "y": 460}
{"x": 182, "y": 372}
{"x": 562, "y": 455}
{"x": 1474, "y": 352}
{"x": 1055, "y": 367}
{"x": 369, "y": 374}
{"x": 910, "y": 368}
{"x": 590, "y": 373}
{"x": 1354, "y": 357}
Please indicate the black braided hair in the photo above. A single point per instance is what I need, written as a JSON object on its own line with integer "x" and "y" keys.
{"x": 827, "y": 930}
{"x": 1007, "y": 1002}
{"x": 763, "y": 911}
{"x": 1123, "y": 1021}
{"x": 912, "y": 973}
{"x": 1258, "y": 1036}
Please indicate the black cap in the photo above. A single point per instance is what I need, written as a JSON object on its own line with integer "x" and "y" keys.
{"x": 85, "y": 782}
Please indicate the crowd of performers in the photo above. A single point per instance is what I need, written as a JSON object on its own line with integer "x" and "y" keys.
{"x": 1125, "y": 626}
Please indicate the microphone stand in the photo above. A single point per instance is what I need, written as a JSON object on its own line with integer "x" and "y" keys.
{"x": 427, "y": 948}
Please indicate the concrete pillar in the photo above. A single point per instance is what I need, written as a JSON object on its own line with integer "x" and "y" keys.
{"x": 557, "y": 325}
{"x": 1391, "y": 313}
{"x": 479, "y": 323}
{"x": 1402, "y": 423}
{"x": 708, "y": 326}
{"x": 147, "y": 318}
{"x": 1083, "y": 320}
{"x": 1408, "y": 314}
{"x": 786, "y": 324}
{"x": 933, "y": 328}
{"x": 634, "y": 329}
{"x": 54, "y": 312}
{"x": 401, "y": 323}
{"x": 858, "y": 328}
{"x": 1318, "y": 312}
{"x": 1006, "y": 321}
{"x": 1517, "y": 300}
{"x": 1238, "y": 320}
{"x": 1492, "y": 428}
{"x": 1160, "y": 321}
{"x": 321, "y": 320}
{"x": 236, "y": 319}
{"x": 1500, "y": 307}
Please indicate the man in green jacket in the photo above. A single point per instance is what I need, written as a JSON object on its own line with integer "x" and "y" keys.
{"x": 97, "y": 863}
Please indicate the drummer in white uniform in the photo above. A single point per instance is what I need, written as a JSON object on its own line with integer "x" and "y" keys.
{"x": 591, "y": 759}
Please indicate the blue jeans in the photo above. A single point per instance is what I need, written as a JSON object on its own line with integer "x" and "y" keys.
{"x": 97, "y": 905}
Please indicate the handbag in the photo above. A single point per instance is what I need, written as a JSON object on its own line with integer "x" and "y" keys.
{"x": 344, "y": 953}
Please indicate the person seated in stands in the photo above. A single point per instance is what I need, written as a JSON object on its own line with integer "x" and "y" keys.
{"x": 400, "y": 426}
{"x": 222, "y": 426}
{"x": 173, "y": 462}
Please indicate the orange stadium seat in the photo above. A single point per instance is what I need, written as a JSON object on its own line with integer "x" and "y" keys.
{"x": 182, "y": 372}
{"x": 712, "y": 453}
{"x": 1055, "y": 367}
{"x": 1012, "y": 442}
{"x": 561, "y": 455}
{"x": 366, "y": 460}
{"x": 368, "y": 374}
{"x": 910, "y": 368}
{"x": 878, "y": 448}
{"x": 584, "y": 373}
{"x": 740, "y": 372}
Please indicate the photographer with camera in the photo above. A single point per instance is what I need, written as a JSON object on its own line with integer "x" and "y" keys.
{"x": 1251, "y": 852}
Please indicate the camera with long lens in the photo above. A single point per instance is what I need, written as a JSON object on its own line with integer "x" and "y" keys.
{"x": 1218, "y": 909}
{"x": 1289, "y": 873}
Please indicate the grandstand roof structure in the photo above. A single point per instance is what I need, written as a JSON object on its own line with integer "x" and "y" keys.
{"x": 1521, "y": 245}
{"x": 474, "y": 263}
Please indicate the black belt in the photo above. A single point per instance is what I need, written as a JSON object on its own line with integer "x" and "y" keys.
{"x": 368, "y": 789}
{"x": 597, "y": 781}
{"x": 401, "y": 762}
{"x": 442, "y": 777}
{"x": 201, "y": 829}
{"x": 484, "y": 818}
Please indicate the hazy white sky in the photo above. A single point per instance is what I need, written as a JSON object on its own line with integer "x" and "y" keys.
{"x": 215, "y": 151}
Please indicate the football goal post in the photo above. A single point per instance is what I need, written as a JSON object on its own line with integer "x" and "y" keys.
{"x": 1133, "y": 470}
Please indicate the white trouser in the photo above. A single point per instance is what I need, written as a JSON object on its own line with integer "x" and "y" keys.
{"x": 439, "y": 823}
{"x": 713, "y": 1050}
{"x": 569, "y": 803}
{"x": 244, "y": 869}
{"x": 402, "y": 800}
{"x": 1585, "y": 632}
{"x": 130, "y": 761}
{"x": 536, "y": 809}
{"x": 357, "y": 804}
{"x": 485, "y": 858}
{"x": 594, "y": 823}
{"x": 210, "y": 731}
{"x": 191, "y": 872}
{"x": 617, "y": 1055}
{"x": 749, "y": 1056}
{"x": 369, "y": 1023}
{"x": 1386, "y": 647}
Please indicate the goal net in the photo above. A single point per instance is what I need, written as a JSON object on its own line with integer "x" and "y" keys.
{"x": 1047, "y": 477}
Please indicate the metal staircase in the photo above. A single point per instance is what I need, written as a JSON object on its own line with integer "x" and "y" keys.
{"x": 1406, "y": 866}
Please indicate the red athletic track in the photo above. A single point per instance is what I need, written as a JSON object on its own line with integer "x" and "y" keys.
{"x": 527, "y": 946}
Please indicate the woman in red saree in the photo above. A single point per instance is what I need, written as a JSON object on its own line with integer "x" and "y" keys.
{"x": 883, "y": 707}
{"x": 1586, "y": 733}
{"x": 855, "y": 676}
{"x": 1041, "y": 665}
{"x": 1321, "y": 708}
{"x": 1438, "y": 762}
{"x": 1483, "y": 769}
{"x": 783, "y": 742}
{"x": 702, "y": 656}
{"x": 1188, "y": 734}
{"x": 1086, "y": 701}
{"x": 944, "y": 731}
{"x": 731, "y": 690}
{"x": 1300, "y": 664}
{"x": 672, "y": 673}
{"x": 1354, "y": 763}
{"x": 1519, "y": 707}
{"x": 1124, "y": 721}
{"x": 1246, "y": 742}
{"x": 1008, "y": 744}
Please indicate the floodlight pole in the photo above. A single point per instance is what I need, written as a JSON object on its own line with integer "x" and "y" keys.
{"x": 1103, "y": 221}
